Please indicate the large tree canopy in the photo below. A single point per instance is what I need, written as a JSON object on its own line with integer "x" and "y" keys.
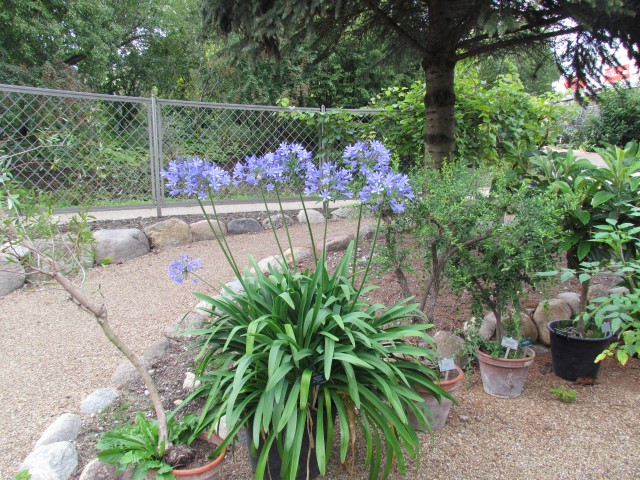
{"x": 442, "y": 32}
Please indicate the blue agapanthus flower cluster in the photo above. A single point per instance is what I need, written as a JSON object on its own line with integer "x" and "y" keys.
{"x": 194, "y": 176}
{"x": 329, "y": 181}
{"x": 367, "y": 157}
{"x": 266, "y": 171}
{"x": 183, "y": 268}
{"x": 387, "y": 189}
{"x": 294, "y": 159}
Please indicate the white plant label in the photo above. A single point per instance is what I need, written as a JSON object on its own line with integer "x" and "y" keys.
{"x": 510, "y": 343}
{"x": 446, "y": 364}
{"x": 606, "y": 327}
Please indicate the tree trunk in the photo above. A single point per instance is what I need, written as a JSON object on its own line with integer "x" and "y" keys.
{"x": 439, "y": 102}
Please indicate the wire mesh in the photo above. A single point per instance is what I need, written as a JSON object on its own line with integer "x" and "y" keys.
{"x": 88, "y": 149}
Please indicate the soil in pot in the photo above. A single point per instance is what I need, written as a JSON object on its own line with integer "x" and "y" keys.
{"x": 437, "y": 412}
{"x": 574, "y": 357}
{"x": 198, "y": 469}
{"x": 504, "y": 377}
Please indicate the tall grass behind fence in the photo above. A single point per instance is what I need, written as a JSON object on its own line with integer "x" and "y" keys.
{"x": 101, "y": 150}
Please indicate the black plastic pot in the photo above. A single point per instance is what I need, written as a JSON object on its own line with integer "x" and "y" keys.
{"x": 572, "y": 357}
{"x": 274, "y": 463}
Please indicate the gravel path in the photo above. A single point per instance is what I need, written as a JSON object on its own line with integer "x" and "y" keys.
{"x": 53, "y": 355}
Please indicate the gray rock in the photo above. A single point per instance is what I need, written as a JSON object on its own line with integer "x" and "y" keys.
{"x": 573, "y": 300}
{"x": 12, "y": 274}
{"x": 126, "y": 376}
{"x": 488, "y": 327}
{"x": 64, "y": 429}
{"x": 345, "y": 213}
{"x": 238, "y": 226}
{"x": 201, "y": 230}
{"x": 618, "y": 290}
{"x": 528, "y": 328}
{"x": 157, "y": 351}
{"x": 314, "y": 216}
{"x": 597, "y": 291}
{"x": 274, "y": 261}
{"x": 235, "y": 286}
{"x": 96, "y": 470}
{"x": 190, "y": 382}
{"x": 540, "y": 349}
{"x": 300, "y": 254}
{"x": 451, "y": 346}
{"x": 554, "y": 309}
{"x": 337, "y": 243}
{"x": 64, "y": 251}
{"x": 100, "y": 399}
{"x": 368, "y": 232}
{"x": 278, "y": 220}
{"x": 54, "y": 461}
{"x": 120, "y": 245}
{"x": 169, "y": 233}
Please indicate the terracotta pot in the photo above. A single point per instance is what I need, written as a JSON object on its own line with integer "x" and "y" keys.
{"x": 502, "y": 377}
{"x": 437, "y": 412}
{"x": 206, "y": 472}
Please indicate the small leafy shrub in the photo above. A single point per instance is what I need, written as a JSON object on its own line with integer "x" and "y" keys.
{"x": 564, "y": 394}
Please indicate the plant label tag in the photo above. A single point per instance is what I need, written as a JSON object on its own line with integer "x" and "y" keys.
{"x": 446, "y": 364}
{"x": 317, "y": 378}
{"x": 606, "y": 328}
{"x": 525, "y": 342}
{"x": 510, "y": 343}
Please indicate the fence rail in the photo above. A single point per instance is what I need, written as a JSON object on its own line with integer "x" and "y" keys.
{"x": 82, "y": 149}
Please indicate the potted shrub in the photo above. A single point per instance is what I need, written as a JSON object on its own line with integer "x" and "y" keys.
{"x": 296, "y": 350}
{"x": 495, "y": 272}
{"x": 591, "y": 196}
{"x": 159, "y": 445}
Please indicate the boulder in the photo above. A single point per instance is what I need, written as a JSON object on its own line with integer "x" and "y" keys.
{"x": 300, "y": 254}
{"x": 64, "y": 251}
{"x": 547, "y": 311}
{"x": 597, "y": 291}
{"x": 528, "y": 328}
{"x": 100, "y": 399}
{"x": 201, "y": 230}
{"x": 618, "y": 290}
{"x": 314, "y": 216}
{"x": 120, "y": 245}
{"x": 96, "y": 470}
{"x": 54, "y": 461}
{"x": 449, "y": 345}
{"x": 64, "y": 429}
{"x": 12, "y": 274}
{"x": 337, "y": 243}
{"x": 368, "y": 232}
{"x": 264, "y": 265}
{"x": 126, "y": 376}
{"x": 573, "y": 300}
{"x": 278, "y": 220}
{"x": 157, "y": 351}
{"x": 169, "y": 233}
{"x": 345, "y": 213}
{"x": 488, "y": 327}
{"x": 238, "y": 226}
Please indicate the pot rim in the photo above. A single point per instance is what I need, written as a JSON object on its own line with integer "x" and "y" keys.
{"x": 214, "y": 440}
{"x": 452, "y": 382}
{"x": 508, "y": 362}
{"x": 551, "y": 327}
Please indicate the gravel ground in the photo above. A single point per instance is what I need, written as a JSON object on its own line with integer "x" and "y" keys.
{"x": 53, "y": 355}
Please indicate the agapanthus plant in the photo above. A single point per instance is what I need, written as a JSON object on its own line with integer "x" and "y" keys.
{"x": 297, "y": 349}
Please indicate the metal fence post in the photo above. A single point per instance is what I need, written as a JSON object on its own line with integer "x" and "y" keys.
{"x": 154, "y": 149}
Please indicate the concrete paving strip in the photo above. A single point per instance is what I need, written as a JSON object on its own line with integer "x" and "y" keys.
{"x": 168, "y": 210}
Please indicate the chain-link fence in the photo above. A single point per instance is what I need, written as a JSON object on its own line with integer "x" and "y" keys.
{"x": 101, "y": 150}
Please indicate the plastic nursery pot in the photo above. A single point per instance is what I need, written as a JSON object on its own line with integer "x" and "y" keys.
{"x": 208, "y": 471}
{"x": 503, "y": 377}
{"x": 437, "y": 412}
{"x": 573, "y": 357}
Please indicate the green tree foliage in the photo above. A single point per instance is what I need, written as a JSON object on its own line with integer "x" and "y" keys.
{"x": 496, "y": 123}
{"x": 441, "y": 33}
{"x": 614, "y": 119}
